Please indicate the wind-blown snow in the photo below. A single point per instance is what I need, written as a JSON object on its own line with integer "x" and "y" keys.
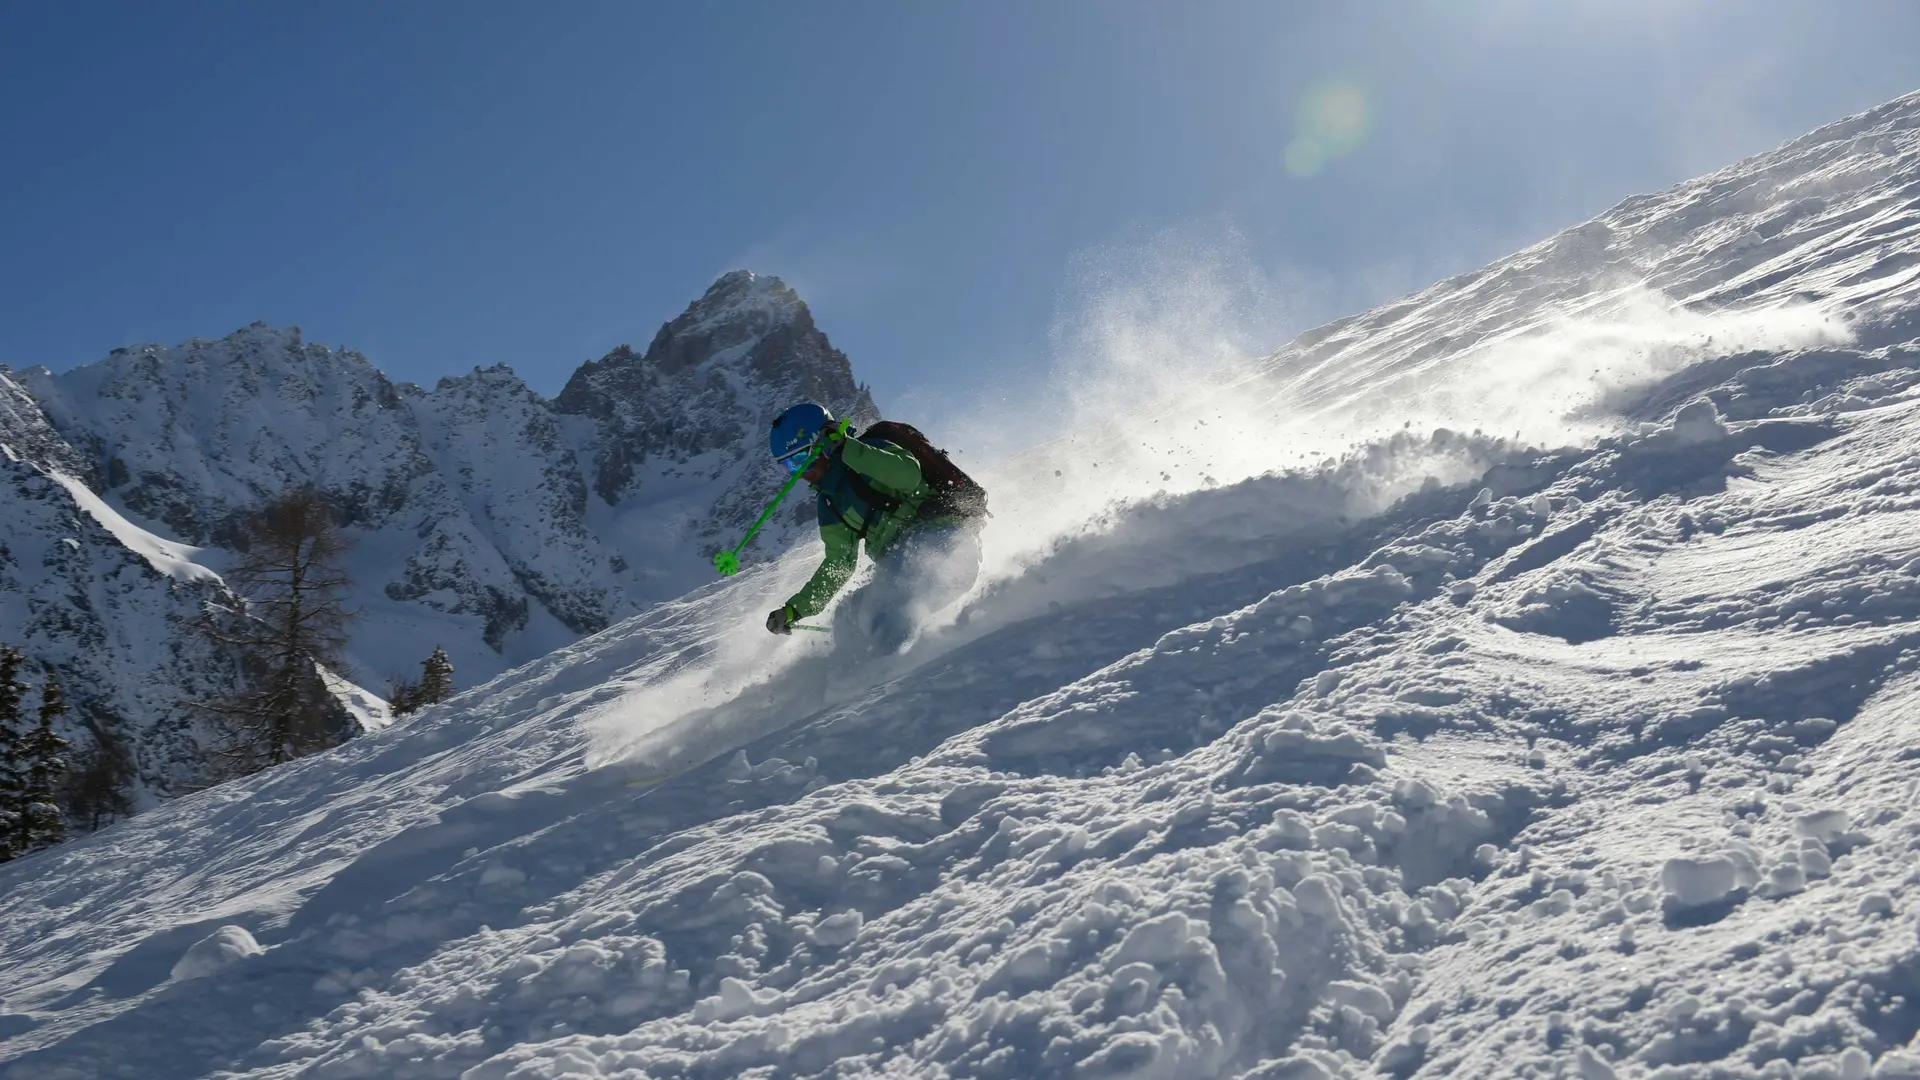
{"x": 1595, "y": 761}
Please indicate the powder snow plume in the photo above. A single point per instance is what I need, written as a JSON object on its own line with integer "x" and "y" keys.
{"x": 1170, "y": 421}
{"x": 1157, "y": 391}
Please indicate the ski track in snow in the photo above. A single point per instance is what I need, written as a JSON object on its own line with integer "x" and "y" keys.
{"x": 1600, "y": 763}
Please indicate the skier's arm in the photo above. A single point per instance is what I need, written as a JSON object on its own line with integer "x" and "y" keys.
{"x": 895, "y": 469}
{"x": 843, "y": 551}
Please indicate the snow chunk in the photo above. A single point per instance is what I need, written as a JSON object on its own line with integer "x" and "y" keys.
{"x": 1826, "y": 826}
{"x": 1369, "y": 999}
{"x": 735, "y": 1000}
{"x": 1785, "y": 879}
{"x": 1592, "y": 1066}
{"x": 1158, "y": 941}
{"x": 1344, "y": 746}
{"x": 214, "y": 953}
{"x": 1875, "y": 903}
{"x": 1134, "y": 1053}
{"x": 836, "y": 930}
{"x": 498, "y": 874}
{"x": 1898, "y": 1065}
{"x": 1693, "y": 883}
{"x": 1697, "y": 423}
{"x": 1319, "y": 894}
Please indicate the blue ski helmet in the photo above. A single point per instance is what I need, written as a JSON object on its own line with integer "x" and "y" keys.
{"x": 795, "y": 432}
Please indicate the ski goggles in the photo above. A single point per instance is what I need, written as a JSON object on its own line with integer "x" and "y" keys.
{"x": 797, "y": 461}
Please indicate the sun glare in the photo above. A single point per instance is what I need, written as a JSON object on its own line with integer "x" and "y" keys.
{"x": 1332, "y": 120}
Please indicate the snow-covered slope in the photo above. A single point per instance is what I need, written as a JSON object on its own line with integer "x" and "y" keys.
{"x": 1595, "y": 762}
{"x": 101, "y": 602}
{"x": 487, "y": 519}
{"x": 1814, "y": 243}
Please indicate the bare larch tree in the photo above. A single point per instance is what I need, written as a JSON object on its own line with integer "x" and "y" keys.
{"x": 97, "y": 788}
{"x": 294, "y": 622}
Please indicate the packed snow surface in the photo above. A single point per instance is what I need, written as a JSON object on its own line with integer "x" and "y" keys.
{"x": 1449, "y": 758}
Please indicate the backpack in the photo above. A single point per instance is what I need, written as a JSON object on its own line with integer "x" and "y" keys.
{"x": 955, "y": 494}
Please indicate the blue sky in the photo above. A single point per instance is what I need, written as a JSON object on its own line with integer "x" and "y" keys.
{"x": 443, "y": 185}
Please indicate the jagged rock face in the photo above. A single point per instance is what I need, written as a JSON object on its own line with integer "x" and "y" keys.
{"x": 191, "y": 438}
{"x": 711, "y": 382}
{"x": 27, "y": 434}
{"x": 507, "y": 525}
{"x": 488, "y": 519}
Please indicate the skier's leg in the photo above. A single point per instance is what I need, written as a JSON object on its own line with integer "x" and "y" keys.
{"x": 937, "y": 568}
{"x": 889, "y": 615}
{"x": 927, "y": 570}
{"x": 867, "y": 619}
{"x": 948, "y": 568}
{"x": 849, "y": 616}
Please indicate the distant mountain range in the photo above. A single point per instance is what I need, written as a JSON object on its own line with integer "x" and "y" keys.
{"x": 486, "y": 518}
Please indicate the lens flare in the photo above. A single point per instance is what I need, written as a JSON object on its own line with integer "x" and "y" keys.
{"x": 1305, "y": 156}
{"x": 1333, "y": 120}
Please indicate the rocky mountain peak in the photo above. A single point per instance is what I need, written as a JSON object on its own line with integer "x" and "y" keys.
{"x": 743, "y": 294}
{"x": 724, "y": 367}
{"x": 190, "y": 437}
{"x": 26, "y": 435}
{"x": 752, "y": 321}
{"x": 499, "y": 377}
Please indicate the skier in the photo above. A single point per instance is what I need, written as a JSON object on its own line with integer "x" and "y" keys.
{"x": 917, "y": 512}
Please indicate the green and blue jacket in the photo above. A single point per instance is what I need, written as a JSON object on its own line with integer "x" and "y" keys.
{"x": 847, "y": 517}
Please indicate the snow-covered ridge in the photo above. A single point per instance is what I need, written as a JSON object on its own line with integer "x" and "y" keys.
{"x": 25, "y": 432}
{"x": 1592, "y": 762}
{"x": 1814, "y": 244}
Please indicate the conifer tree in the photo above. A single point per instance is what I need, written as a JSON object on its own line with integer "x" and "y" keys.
{"x": 98, "y": 787}
{"x": 436, "y": 678}
{"x": 44, "y": 753}
{"x": 403, "y": 695}
{"x": 12, "y": 745}
{"x": 293, "y": 624}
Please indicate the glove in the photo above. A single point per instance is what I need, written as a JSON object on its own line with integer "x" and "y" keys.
{"x": 839, "y": 429}
{"x": 780, "y": 620}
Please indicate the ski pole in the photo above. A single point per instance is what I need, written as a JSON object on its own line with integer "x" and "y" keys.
{"x": 815, "y": 629}
{"x": 728, "y": 562}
